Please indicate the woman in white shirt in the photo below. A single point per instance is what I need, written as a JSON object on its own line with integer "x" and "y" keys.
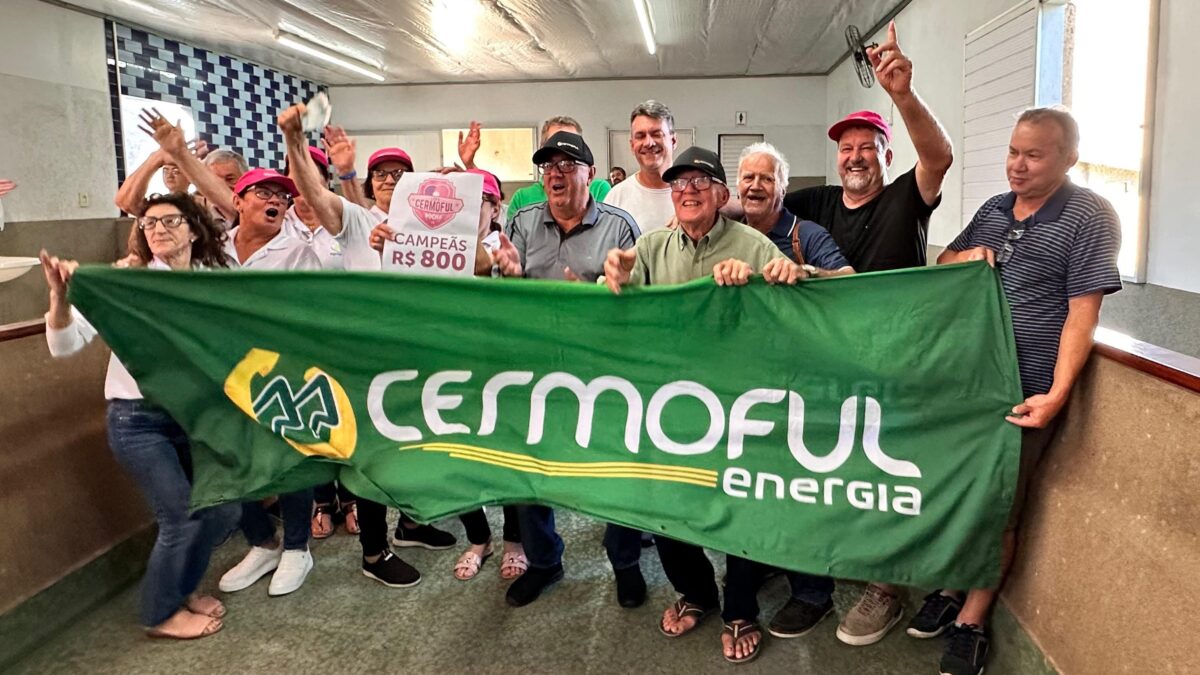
{"x": 173, "y": 233}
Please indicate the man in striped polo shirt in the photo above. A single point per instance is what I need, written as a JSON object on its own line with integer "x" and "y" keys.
{"x": 1055, "y": 245}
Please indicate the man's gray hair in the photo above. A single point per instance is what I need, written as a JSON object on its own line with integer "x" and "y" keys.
{"x": 561, "y": 121}
{"x": 656, "y": 109}
{"x": 1059, "y": 115}
{"x": 220, "y": 156}
{"x": 781, "y": 164}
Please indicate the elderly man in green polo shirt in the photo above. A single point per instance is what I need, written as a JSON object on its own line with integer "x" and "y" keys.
{"x": 700, "y": 240}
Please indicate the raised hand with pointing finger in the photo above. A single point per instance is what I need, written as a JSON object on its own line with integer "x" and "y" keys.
{"x": 893, "y": 69}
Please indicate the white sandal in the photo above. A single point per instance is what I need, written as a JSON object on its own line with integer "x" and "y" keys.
{"x": 470, "y": 562}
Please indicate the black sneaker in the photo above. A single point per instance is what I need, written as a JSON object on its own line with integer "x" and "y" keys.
{"x": 425, "y": 536}
{"x": 631, "y": 587}
{"x": 936, "y": 615}
{"x": 390, "y": 570}
{"x": 797, "y": 618}
{"x": 966, "y": 651}
{"x": 530, "y": 585}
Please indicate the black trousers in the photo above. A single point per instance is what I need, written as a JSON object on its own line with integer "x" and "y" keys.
{"x": 479, "y": 532}
{"x": 693, "y": 577}
{"x": 373, "y": 529}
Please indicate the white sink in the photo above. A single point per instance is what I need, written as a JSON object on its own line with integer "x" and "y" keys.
{"x": 12, "y": 267}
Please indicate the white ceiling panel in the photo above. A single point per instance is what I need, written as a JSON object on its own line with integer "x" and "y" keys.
{"x": 441, "y": 41}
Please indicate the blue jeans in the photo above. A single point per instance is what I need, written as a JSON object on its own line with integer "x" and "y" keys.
{"x": 544, "y": 548}
{"x": 296, "y": 510}
{"x": 810, "y": 588}
{"x": 154, "y": 451}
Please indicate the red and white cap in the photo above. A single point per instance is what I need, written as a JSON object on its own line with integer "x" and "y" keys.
{"x": 258, "y": 176}
{"x": 390, "y": 154}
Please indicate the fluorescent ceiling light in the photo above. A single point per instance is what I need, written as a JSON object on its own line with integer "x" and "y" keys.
{"x": 303, "y": 46}
{"x": 142, "y": 6}
{"x": 643, "y": 12}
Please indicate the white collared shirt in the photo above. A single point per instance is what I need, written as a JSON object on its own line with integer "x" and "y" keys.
{"x": 355, "y": 237}
{"x": 281, "y": 253}
{"x": 118, "y": 383}
{"x": 327, "y": 249}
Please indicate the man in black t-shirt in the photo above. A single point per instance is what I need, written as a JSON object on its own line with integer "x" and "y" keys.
{"x": 878, "y": 226}
{"x": 881, "y": 226}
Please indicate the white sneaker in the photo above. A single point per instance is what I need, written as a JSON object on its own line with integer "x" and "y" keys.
{"x": 258, "y": 562}
{"x": 293, "y": 568}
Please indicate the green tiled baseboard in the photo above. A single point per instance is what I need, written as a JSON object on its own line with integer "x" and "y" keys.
{"x": 47, "y": 613}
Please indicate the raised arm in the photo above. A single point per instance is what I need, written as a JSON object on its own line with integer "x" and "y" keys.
{"x": 342, "y": 152}
{"x": 132, "y": 192}
{"x": 935, "y": 153}
{"x": 170, "y": 139}
{"x": 469, "y": 145}
{"x": 324, "y": 203}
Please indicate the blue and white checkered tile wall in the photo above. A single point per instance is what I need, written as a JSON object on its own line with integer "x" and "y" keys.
{"x": 235, "y": 102}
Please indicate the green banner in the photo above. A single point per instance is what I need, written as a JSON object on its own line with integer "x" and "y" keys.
{"x": 851, "y": 426}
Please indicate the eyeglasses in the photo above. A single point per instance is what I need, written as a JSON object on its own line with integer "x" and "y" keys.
{"x": 701, "y": 183}
{"x": 1014, "y": 234}
{"x": 266, "y": 195}
{"x": 171, "y": 170}
{"x": 380, "y": 174}
{"x": 563, "y": 165}
{"x": 169, "y": 221}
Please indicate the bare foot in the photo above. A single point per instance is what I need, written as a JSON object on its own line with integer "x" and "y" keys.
{"x": 185, "y": 625}
{"x": 745, "y": 644}
{"x": 671, "y": 623}
{"x": 206, "y": 605}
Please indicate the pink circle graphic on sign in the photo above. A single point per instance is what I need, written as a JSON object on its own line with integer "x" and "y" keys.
{"x": 434, "y": 203}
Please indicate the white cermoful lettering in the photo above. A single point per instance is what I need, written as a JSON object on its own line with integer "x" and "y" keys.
{"x": 734, "y": 427}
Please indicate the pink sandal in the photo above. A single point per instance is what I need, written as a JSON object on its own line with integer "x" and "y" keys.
{"x": 513, "y": 560}
{"x": 470, "y": 562}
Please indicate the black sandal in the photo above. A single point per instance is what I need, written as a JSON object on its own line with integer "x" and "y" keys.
{"x": 684, "y": 608}
{"x": 738, "y": 631}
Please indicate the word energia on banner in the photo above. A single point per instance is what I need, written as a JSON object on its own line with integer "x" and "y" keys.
{"x": 734, "y": 427}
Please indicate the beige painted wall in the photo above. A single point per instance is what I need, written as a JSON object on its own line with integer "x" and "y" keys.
{"x": 1107, "y": 578}
{"x": 64, "y": 499}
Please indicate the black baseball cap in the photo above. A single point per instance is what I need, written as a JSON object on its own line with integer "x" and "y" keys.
{"x": 697, "y": 158}
{"x": 569, "y": 144}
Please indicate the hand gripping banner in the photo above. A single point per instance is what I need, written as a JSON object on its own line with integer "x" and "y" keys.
{"x": 851, "y": 426}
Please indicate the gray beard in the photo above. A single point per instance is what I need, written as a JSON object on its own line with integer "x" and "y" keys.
{"x": 856, "y": 182}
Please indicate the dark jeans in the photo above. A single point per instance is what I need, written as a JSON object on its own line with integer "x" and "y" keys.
{"x": 810, "y": 588}
{"x": 296, "y": 510}
{"x": 155, "y": 452}
{"x": 327, "y": 493}
{"x": 479, "y": 532}
{"x": 544, "y": 548}
{"x": 692, "y": 575}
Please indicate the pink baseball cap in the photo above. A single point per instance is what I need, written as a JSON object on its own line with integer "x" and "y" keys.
{"x": 862, "y": 118}
{"x": 491, "y": 186}
{"x": 319, "y": 156}
{"x": 257, "y": 176}
{"x": 389, "y": 154}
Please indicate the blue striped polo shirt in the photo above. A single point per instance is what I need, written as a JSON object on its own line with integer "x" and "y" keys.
{"x": 1065, "y": 250}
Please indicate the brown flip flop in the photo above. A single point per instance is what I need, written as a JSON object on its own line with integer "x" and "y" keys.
{"x": 684, "y": 608}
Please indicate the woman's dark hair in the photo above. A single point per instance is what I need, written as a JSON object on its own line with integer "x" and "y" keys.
{"x": 209, "y": 247}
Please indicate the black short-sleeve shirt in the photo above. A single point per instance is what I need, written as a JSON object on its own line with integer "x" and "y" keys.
{"x": 887, "y": 233}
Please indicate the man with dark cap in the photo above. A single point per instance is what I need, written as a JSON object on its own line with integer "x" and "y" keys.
{"x": 567, "y": 237}
{"x": 701, "y": 240}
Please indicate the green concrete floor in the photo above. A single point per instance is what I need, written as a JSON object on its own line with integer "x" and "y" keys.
{"x": 342, "y": 622}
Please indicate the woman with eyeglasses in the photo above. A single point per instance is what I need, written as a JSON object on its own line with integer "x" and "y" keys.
{"x": 173, "y": 233}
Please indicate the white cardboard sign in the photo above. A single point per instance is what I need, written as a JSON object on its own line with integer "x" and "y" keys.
{"x": 436, "y": 220}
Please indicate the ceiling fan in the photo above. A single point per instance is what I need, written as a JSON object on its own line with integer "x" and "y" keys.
{"x": 862, "y": 62}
